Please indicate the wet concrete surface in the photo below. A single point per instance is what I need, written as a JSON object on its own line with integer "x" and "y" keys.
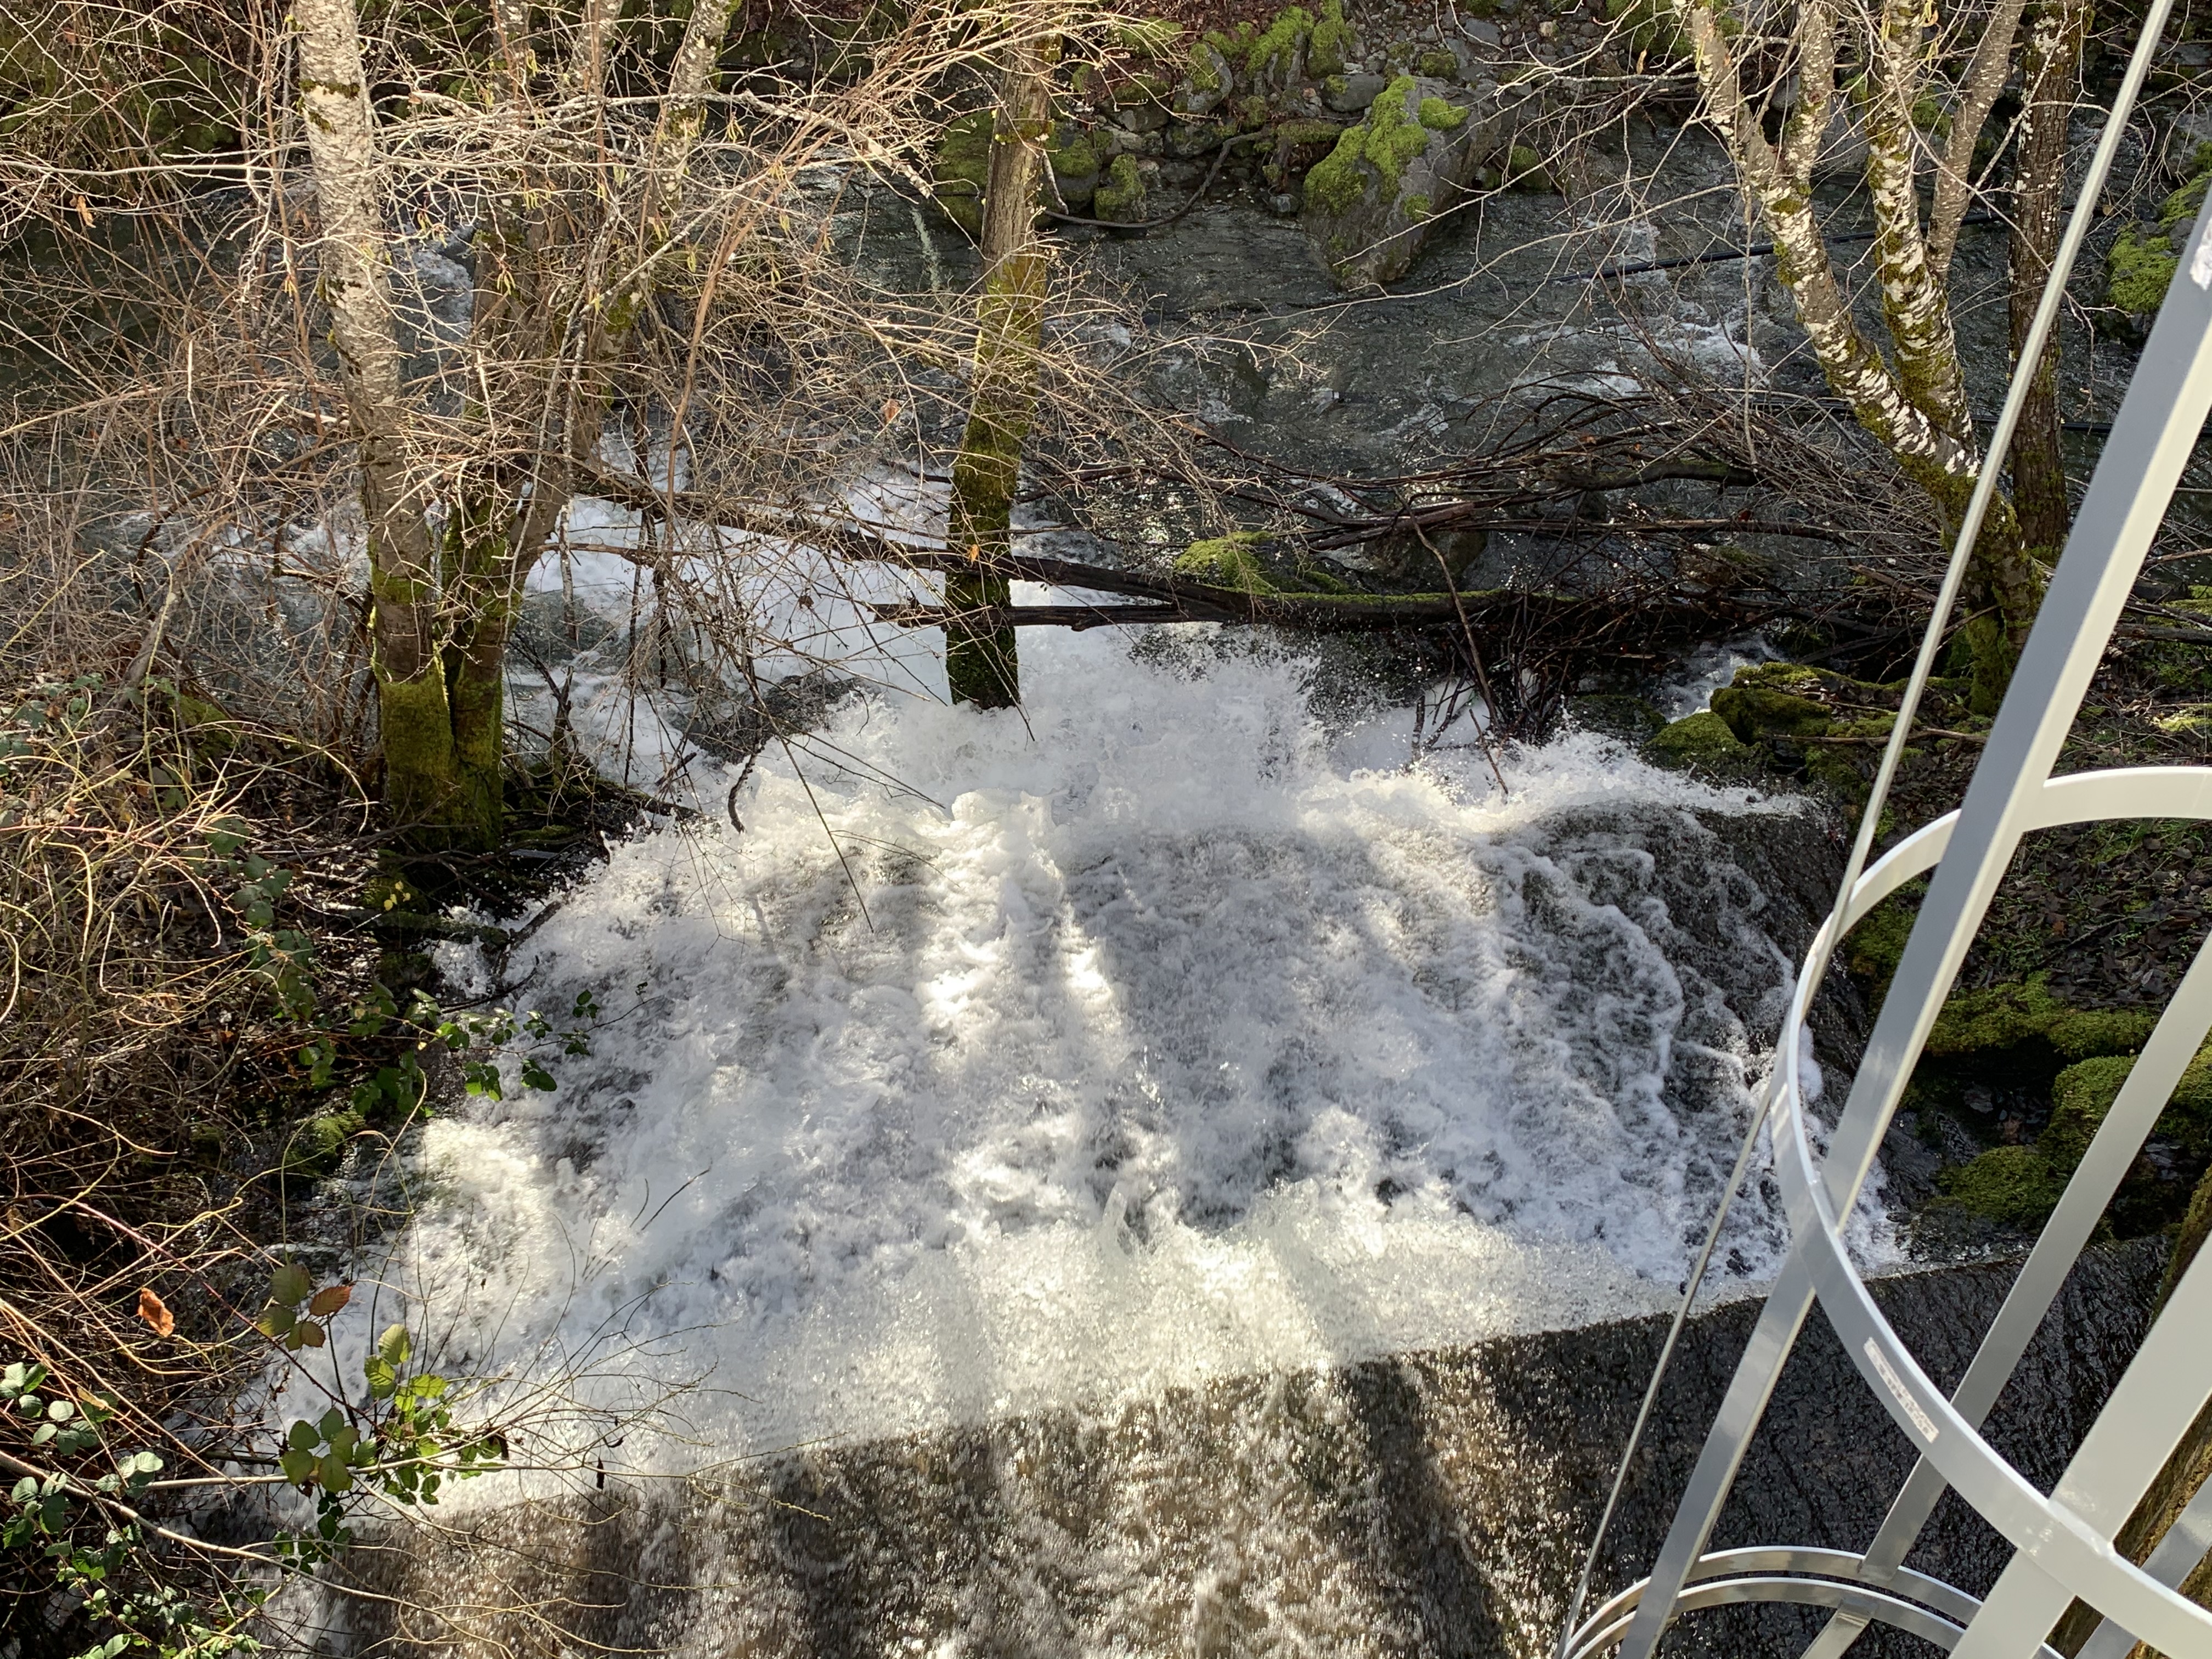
{"x": 1428, "y": 1503}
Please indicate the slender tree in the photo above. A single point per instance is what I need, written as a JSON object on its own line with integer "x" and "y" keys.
{"x": 1913, "y": 399}
{"x": 980, "y": 658}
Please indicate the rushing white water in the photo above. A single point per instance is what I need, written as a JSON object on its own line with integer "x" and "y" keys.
{"x": 1155, "y": 1032}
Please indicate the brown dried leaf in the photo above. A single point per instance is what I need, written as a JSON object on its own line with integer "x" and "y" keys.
{"x": 156, "y": 1314}
{"x": 330, "y": 1299}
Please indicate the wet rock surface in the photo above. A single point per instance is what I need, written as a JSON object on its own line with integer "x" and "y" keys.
{"x": 1429, "y": 1504}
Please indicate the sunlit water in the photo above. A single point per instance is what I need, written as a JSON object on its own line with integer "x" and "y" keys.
{"x": 1157, "y": 1032}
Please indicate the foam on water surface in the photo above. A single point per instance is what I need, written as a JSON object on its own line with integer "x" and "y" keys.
{"x": 1154, "y": 1033}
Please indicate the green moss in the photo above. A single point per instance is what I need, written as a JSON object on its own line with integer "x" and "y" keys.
{"x": 316, "y": 1144}
{"x": 1930, "y": 117}
{"x": 1331, "y": 42}
{"x": 1439, "y": 116}
{"x": 1875, "y": 947}
{"x": 2013, "y": 1186}
{"x": 1754, "y": 712}
{"x": 2194, "y": 722}
{"x": 1121, "y": 200}
{"x": 2078, "y": 1033}
{"x": 2138, "y": 270}
{"x": 1436, "y": 63}
{"x": 2005, "y": 1016}
{"x": 2080, "y": 1095}
{"x": 1227, "y": 561}
{"x": 1078, "y": 158}
{"x": 1203, "y": 68}
{"x": 1703, "y": 739}
{"x": 1652, "y": 34}
{"x": 1416, "y": 208}
{"x": 1308, "y": 131}
{"x": 962, "y": 164}
{"x": 1276, "y": 51}
{"x": 1386, "y": 141}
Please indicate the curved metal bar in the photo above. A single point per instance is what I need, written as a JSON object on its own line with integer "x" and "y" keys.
{"x": 2155, "y": 1396}
{"x": 2153, "y": 436}
{"x": 1870, "y": 1604}
{"x": 1589, "y": 1639}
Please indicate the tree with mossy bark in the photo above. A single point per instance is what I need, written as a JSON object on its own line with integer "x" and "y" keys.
{"x": 980, "y": 666}
{"x": 563, "y": 274}
{"x": 1773, "y": 96}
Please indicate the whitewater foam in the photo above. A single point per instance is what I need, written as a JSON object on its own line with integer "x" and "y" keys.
{"x": 1153, "y": 1033}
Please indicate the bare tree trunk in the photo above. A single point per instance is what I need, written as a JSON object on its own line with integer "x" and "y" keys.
{"x": 545, "y": 418}
{"x": 979, "y": 660}
{"x": 414, "y": 725}
{"x": 2053, "y": 74}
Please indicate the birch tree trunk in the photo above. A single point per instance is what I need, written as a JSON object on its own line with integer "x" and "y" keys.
{"x": 979, "y": 660}
{"x": 2052, "y": 74}
{"x": 1917, "y": 409}
{"x": 414, "y": 723}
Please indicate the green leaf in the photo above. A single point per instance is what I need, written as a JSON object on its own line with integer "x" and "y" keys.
{"x": 61, "y": 1411}
{"x": 394, "y": 1346}
{"x": 298, "y": 1466}
{"x": 333, "y": 1420}
{"x": 276, "y": 1320}
{"x": 334, "y": 1474}
{"x": 290, "y": 1284}
{"x": 303, "y": 1435}
{"x": 382, "y": 1379}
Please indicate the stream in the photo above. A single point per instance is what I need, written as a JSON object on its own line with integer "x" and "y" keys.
{"x": 1194, "y": 1166}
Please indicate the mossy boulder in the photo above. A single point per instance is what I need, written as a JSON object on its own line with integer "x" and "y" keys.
{"x": 1702, "y": 743}
{"x": 1276, "y": 61}
{"x": 1418, "y": 146}
{"x": 961, "y": 167}
{"x": 1078, "y": 161}
{"x": 2140, "y": 266}
{"x": 1614, "y": 714}
{"x": 1231, "y": 561}
{"x": 1333, "y": 44}
{"x": 1208, "y": 79}
{"x": 2006, "y": 1016}
{"x": 2011, "y": 1186}
{"x": 1120, "y": 198}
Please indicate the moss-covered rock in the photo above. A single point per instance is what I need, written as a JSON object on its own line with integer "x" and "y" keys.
{"x": 1332, "y": 45}
{"x": 2011, "y": 1186}
{"x": 1615, "y": 716}
{"x": 1649, "y": 30}
{"x": 2140, "y": 266}
{"x": 1231, "y": 561}
{"x": 1418, "y": 145}
{"x": 1277, "y": 60}
{"x": 1207, "y": 79}
{"x": 1701, "y": 742}
{"x": 316, "y": 1144}
{"x": 1119, "y": 199}
{"x": 1756, "y": 713}
{"x": 2006, "y": 1016}
{"x": 1078, "y": 161}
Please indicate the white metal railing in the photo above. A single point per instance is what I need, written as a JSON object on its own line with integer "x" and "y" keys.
{"x": 2062, "y": 1541}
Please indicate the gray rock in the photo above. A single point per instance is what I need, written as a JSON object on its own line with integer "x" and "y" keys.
{"x": 1208, "y": 65}
{"x": 1359, "y": 90}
